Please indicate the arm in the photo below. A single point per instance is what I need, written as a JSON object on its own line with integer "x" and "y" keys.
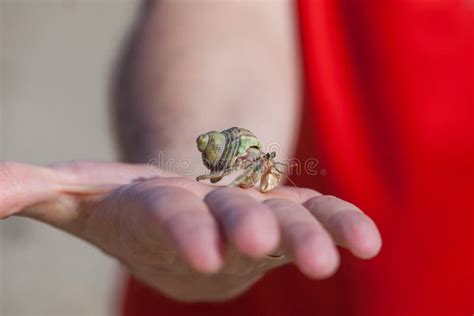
{"x": 170, "y": 230}
{"x": 194, "y": 66}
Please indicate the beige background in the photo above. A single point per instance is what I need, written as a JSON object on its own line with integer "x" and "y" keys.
{"x": 56, "y": 59}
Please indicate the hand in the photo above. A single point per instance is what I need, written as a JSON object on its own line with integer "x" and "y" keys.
{"x": 192, "y": 241}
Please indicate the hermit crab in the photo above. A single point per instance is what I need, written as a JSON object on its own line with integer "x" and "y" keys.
{"x": 235, "y": 149}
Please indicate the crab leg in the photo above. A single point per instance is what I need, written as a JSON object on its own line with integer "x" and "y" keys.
{"x": 216, "y": 176}
{"x": 250, "y": 177}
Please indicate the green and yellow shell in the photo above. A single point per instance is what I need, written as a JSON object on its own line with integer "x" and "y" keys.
{"x": 220, "y": 150}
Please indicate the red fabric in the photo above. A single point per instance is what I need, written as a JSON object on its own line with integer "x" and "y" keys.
{"x": 389, "y": 115}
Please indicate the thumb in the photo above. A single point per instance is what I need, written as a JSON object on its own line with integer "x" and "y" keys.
{"x": 23, "y": 186}
{"x": 93, "y": 173}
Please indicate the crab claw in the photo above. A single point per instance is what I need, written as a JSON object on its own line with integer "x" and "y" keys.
{"x": 269, "y": 181}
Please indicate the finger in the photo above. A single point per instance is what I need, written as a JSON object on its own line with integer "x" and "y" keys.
{"x": 23, "y": 185}
{"x": 291, "y": 193}
{"x": 187, "y": 223}
{"x": 103, "y": 173}
{"x": 93, "y": 178}
{"x": 348, "y": 225}
{"x": 246, "y": 222}
{"x": 306, "y": 239}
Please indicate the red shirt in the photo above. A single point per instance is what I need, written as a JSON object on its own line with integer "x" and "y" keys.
{"x": 389, "y": 115}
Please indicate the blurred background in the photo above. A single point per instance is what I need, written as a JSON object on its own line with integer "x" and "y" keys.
{"x": 56, "y": 62}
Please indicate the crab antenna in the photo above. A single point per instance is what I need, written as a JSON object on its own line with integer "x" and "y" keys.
{"x": 286, "y": 176}
{"x": 286, "y": 164}
{"x": 294, "y": 185}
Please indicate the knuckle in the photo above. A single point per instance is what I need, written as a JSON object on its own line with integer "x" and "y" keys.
{"x": 279, "y": 202}
{"x": 349, "y": 221}
{"x": 223, "y": 191}
{"x": 326, "y": 199}
{"x": 186, "y": 224}
{"x": 331, "y": 202}
{"x": 305, "y": 231}
{"x": 307, "y": 193}
{"x": 72, "y": 166}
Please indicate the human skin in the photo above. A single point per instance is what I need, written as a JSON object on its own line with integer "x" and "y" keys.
{"x": 189, "y": 240}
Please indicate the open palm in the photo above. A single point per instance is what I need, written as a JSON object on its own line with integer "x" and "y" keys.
{"x": 192, "y": 241}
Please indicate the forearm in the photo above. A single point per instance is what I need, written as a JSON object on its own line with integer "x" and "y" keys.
{"x": 196, "y": 66}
